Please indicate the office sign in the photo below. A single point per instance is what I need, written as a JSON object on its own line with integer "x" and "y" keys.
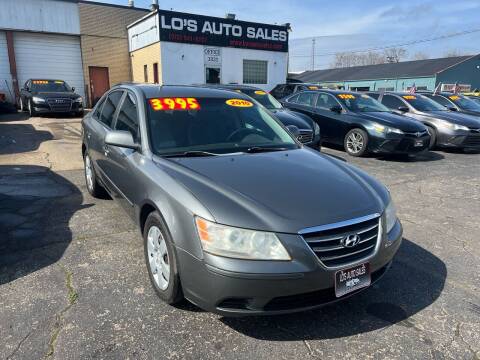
{"x": 212, "y": 31}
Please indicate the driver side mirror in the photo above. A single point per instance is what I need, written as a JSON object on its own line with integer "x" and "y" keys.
{"x": 293, "y": 130}
{"x": 73, "y": 89}
{"x": 122, "y": 139}
{"x": 403, "y": 109}
{"x": 336, "y": 108}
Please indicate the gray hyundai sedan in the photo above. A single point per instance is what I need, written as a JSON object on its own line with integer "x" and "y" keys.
{"x": 236, "y": 215}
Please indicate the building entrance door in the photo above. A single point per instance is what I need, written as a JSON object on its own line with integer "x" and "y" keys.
{"x": 99, "y": 82}
{"x": 212, "y": 75}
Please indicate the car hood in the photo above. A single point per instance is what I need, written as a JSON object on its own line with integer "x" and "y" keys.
{"x": 394, "y": 120}
{"x": 279, "y": 191}
{"x": 455, "y": 117}
{"x": 49, "y": 95}
{"x": 288, "y": 117}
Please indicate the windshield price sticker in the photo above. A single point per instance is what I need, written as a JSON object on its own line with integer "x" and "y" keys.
{"x": 313, "y": 87}
{"x": 239, "y": 103}
{"x": 454, "y": 97}
{"x": 409, "y": 97}
{"x": 260, "y": 92}
{"x": 40, "y": 82}
{"x": 346, "y": 96}
{"x": 160, "y": 104}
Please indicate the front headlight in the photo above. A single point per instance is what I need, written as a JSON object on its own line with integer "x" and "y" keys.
{"x": 460, "y": 127}
{"x": 453, "y": 127}
{"x": 239, "y": 243}
{"x": 38, "y": 100}
{"x": 386, "y": 129}
{"x": 78, "y": 100}
{"x": 390, "y": 216}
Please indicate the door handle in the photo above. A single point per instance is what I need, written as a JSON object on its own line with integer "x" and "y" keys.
{"x": 89, "y": 135}
{"x": 106, "y": 150}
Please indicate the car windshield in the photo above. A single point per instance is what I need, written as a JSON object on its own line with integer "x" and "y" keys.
{"x": 213, "y": 125}
{"x": 50, "y": 86}
{"x": 423, "y": 103}
{"x": 263, "y": 98}
{"x": 464, "y": 103}
{"x": 361, "y": 103}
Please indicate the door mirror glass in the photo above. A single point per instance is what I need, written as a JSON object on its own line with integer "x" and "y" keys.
{"x": 336, "y": 108}
{"x": 122, "y": 139}
{"x": 293, "y": 130}
{"x": 403, "y": 109}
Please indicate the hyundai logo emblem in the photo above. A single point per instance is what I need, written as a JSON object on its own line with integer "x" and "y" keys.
{"x": 350, "y": 241}
{"x": 418, "y": 134}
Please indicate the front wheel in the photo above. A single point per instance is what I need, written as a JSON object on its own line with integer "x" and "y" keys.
{"x": 356, "y": 142}
{"x": 433, "y": 137}
{"x": 161, "y": 260}
{"x": 21, "y": 105}
{"x": 31, "y": 109}
{"x": 93, "y": 187}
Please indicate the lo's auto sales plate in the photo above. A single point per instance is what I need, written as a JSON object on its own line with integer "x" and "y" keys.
{"x": 351, "y": 279}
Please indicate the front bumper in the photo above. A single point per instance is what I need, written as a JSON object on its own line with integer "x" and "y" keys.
{"x": 399, "y": 145}
{"x": 217, "y": 285}
{"x": 464, "y": 140}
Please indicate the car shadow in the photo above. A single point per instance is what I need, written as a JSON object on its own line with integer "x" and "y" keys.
{"x": 21, "y": 138}
{"x": 36, "y": 206}
{"x": 16, "y": 116}
{"x": 415, "y": 280}
{"x": 426, "y": 156}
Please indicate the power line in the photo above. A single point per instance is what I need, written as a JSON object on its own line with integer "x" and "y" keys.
{"x": 414, "y": 42}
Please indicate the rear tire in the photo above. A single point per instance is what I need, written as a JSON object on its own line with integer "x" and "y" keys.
{"x": 356, "y": 142}
{"x": 93, "y": 186}
{"x": 161, "y": 260}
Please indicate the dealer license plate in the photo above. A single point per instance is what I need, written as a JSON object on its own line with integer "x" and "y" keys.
{"x": 351, "y": 279}
{"x": 418, "y": 143}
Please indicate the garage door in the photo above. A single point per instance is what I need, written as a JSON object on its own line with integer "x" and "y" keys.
{"x": 49, "y": 57}
{"x": 5, "y": 78}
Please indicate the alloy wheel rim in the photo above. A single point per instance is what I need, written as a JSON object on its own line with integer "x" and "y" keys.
{"x": 89, "y": 172}
{"x": 158, "y": 257}
{"x": 355, "y": 142}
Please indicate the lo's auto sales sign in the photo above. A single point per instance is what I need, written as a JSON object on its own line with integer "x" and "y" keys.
{"x": 206, "y": 30}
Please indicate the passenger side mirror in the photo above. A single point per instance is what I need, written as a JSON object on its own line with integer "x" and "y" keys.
{"x": 293, "y": 130}
{"x": 403, "y": 109}
{"x": 122, "y": 139}
{"x": 336, "y": 108}
{"x": 73, "y": 89}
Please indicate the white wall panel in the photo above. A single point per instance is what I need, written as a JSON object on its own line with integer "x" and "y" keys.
{"x": 143, "y": 33}
{"x": 49, "y": 57}
{"x": 40, "y": 15}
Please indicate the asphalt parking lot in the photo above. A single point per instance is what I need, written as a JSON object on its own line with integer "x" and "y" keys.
{"x": 73, "y": 283}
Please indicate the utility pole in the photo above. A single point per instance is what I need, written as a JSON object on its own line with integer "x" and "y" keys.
{"x": 313, "y": 54}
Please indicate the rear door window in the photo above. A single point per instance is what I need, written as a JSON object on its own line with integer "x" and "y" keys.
{"x": 326, "y": 101}
{"x": 392, "y": 102}
{"x": 127, "y": 119}
{"x": 109, "y": 107}
{"x": 306, "y": 98}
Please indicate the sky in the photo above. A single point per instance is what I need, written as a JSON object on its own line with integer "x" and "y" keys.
{"x": 350, "y": 25}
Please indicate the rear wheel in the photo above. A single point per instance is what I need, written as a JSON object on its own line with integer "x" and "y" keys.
{"x": 356, "y": 142}
{"x": 161, "y": 260}
{"x": 93, "y": 187}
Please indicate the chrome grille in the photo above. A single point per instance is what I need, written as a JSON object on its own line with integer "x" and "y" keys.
{"x": 326, "y": 241}
{"x": 418, "y": 134}
{"x": 60, "y": 104}
{"x": 472, "y": 140}
{"x": 305, "y": 136}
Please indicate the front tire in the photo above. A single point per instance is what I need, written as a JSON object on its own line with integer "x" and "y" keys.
{"x": 31, "y": 109}
{"x": 93, "y": 187}
{"x": 433, "y": 137}
{"x": 21, "y": 105}
{"x": 356, "y": 142}
{"x": 161, "y": 260}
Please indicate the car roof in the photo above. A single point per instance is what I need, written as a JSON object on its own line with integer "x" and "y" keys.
{"x": 333, "y": 91}
{"x": 155, "y": 91}
{"x": 43, "y": 79}
{"x": 230, "y": 86}
{"x": 398, "y": 93}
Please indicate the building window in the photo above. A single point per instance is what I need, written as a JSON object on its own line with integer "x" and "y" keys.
{"x": 155, "y": 73}
{"x": 255, "y": 71}
{"x": 145, "y": 73}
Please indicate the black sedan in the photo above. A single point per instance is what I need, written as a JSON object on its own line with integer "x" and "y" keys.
{"x": 40, "y": 96}
{"x": 448, "y": 129}
{"x": 360, "y": 123}
{"x": 308, "y": 130}
{"x": 456, "y": 102}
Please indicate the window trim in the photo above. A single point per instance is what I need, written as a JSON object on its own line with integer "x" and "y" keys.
{"x": 117, "y": 111}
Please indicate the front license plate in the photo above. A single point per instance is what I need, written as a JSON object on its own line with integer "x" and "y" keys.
{"x": 418, "y": 143}
{"x": 351, "y": 279}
